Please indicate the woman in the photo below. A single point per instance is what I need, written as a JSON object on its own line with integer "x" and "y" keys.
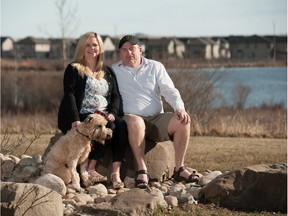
{"x": 90, "y": 86}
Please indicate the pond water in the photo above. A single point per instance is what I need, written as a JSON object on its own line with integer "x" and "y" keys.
{"x": 267, "y": 85}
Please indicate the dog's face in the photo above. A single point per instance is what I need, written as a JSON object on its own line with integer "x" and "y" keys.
{"x": 95, "y": 127}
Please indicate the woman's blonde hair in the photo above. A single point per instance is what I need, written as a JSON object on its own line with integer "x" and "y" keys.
{"x": 79, "y": 56}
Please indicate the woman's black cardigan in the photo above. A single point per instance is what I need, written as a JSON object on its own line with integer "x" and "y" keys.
{"x": 74, "y": 88}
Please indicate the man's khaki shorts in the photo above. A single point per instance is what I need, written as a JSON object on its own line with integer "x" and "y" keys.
{"x": 156, "y": 126}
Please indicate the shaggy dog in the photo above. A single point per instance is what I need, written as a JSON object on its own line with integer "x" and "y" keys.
{"x": 73, "y": 149}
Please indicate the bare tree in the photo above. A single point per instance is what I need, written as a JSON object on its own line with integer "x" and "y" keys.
{"x": 241, "y": 93}
{"x": 197, "y": 89}
{"x": 67, "y": 21}
{"x": 67, "y": 24}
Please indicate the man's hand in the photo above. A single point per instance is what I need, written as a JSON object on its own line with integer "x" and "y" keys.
{"x": 183, "y": 116}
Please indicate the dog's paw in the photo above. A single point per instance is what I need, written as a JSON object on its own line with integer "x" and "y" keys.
{"x": 80, "y": 190}
{"x": 75, "y": 187}
{"x": 85, "y": 176}
{"x": 87, "y": 183}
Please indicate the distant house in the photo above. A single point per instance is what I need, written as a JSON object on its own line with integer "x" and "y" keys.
{"x": 280, "y": 44}
{"x": 211, "y": 48}
{"x": 30, "y": 47}
{"x": 158, "y": 48}
{"x": 207, "y": 48}
{"x": 196, "y": 48}
{"x": 250, "y": 47}
{"x": 7, "y": 47}
{"x": 222, "y": 48}
{"x": 176, "y": 48}
{"x": 109, "y": 47}
{"x": 56, "y": 48}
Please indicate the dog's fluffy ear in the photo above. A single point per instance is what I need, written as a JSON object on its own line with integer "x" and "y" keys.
{"x": 88, "y": 118}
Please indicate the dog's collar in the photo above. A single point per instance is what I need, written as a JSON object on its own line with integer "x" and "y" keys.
{"x": 82, "y": 134}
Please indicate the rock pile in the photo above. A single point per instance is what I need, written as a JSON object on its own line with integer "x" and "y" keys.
{"x": 25, "y": 190}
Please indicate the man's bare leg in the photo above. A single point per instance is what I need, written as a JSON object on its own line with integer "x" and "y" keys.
{"x": 136, "y": 136}
{"x": 181, "y": 136}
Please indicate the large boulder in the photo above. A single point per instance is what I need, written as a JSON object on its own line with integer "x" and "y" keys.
{"x": 159, "y": 158}
{"x": 258, "y": 187}
{"x": 53, "y": 182}
{"x": 29, "y": 199}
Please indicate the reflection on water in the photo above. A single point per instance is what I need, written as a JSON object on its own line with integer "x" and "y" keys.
{"x": 268, "y": 85}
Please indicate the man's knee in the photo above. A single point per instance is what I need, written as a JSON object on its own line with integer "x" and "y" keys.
{"x": 134, "y": 122}
{"x": 175, "y": 125}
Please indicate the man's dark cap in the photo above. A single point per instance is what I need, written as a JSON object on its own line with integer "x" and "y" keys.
{"x": 128, "y": 38}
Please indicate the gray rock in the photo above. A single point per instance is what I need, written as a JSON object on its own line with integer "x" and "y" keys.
{"x": 14, "y": 158}
{"x": 29, "y": 199}
{"x": 83, "y": 198}
{"x": 135, "y": 202}
{"x": 53, "y": 182}
{"x": 258, "y": 187}
{"x": 209, "y": 176}
{"x": 98, "y": 189}
{"x": 7, "y": 167}
{"x": 171, "y": 200}
{"x": 159, "y": 158}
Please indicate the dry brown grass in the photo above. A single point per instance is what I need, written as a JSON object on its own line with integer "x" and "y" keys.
{"x": 209, "y": 210}
{"x": 213, "y": 153}
{"x": 45, "y": 123}
{"x": 268, "y": 122}
{"x": 228, "y": 153}
{"x": 261, "y": 122}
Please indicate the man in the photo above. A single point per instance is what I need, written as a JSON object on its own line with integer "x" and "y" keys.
{"x": 142, "y": 82}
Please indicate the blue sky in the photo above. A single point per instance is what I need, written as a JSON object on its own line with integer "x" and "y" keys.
{"x": 38, "y": 18}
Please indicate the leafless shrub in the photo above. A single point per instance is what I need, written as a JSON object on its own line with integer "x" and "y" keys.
{"x": 35, "y": 91}
{"x": 241, "y": 93}
{"x": 10, "y": 143}
{"x": 196, "y": 88}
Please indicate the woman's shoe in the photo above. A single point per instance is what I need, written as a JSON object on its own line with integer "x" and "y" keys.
{"x": 95, "y": 177}
{"x": 192, "y": 177}
{"x": 118, "y": 184}
{"x": 141, "y": 183}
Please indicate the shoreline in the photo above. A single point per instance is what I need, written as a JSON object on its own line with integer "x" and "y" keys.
{"x": 48, "y": 65}
{"x": 221, "y": 64}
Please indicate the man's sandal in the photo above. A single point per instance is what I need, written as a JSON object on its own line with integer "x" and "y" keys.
{"x": 192, "y": 177}
{"x": 139, "y": 183}
{"x": 116, "y": 185}
{"x": 95, "y": 177}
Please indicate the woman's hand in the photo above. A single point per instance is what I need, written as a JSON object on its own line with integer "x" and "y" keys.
{"x": 182, "y": 116}
{"x": 110, "y": 117}
{"x": 75, "y": 124}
